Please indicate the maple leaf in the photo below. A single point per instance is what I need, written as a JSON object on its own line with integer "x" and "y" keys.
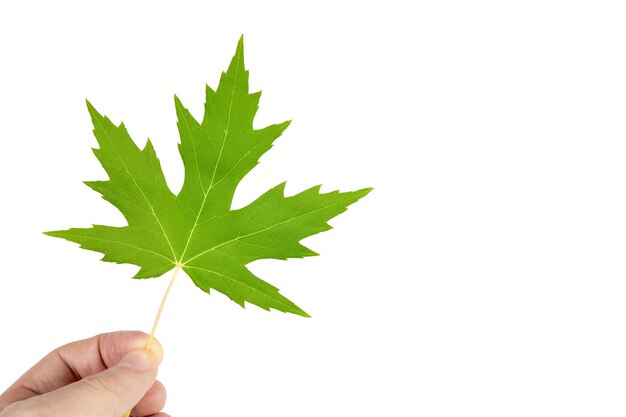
{"x": 196, "y": 230}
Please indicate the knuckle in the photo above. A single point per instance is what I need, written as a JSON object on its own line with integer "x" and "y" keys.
{"x": 100, "y": 385}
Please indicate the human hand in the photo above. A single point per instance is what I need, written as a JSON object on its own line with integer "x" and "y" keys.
{"x": 104, "y": 376}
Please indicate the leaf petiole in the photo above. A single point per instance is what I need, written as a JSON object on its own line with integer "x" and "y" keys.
{"x": 158, "y": 316}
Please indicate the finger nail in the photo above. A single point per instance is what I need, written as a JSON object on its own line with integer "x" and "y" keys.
{"x": 139, "y": 360}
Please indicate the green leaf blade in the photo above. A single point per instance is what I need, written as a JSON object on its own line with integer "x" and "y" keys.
{"x": 130, "y": 245}
{"x": 196, "y": 230}
{"x": 226, "y": 275}
{"x": 271, "y": 226}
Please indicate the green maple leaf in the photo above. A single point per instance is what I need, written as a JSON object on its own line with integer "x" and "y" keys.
{"x": 196, "y": 230}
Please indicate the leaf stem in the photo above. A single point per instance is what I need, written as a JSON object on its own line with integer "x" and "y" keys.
{"x": 158, "y": 316}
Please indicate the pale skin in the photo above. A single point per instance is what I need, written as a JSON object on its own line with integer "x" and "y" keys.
{"x": 104, "y": 376}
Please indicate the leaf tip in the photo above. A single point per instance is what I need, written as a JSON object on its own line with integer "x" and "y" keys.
{"x": 54, "y": 233}
{"x": 237, "y": 63}
{"x": 92, "y": 184}
{"x": 96, "y": 117}
{"x": 307, "y": 252}
{"x": 208, "y": 90}
{"x": 365, "y": 191}
{"x": 91, "y": 109}
{"x": 177, "y": 102}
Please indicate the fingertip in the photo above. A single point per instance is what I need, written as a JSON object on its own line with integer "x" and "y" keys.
{"x": 114, "y": 346}
{"x": 152, "y": 403}
{"x": 139, "y": 360}
{"x": 157, "y": 349}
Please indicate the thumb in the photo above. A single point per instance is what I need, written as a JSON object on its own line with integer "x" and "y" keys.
{"x": 110, "y": 393}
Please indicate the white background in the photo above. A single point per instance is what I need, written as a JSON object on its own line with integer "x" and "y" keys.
{"x": 484, "y": 276}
